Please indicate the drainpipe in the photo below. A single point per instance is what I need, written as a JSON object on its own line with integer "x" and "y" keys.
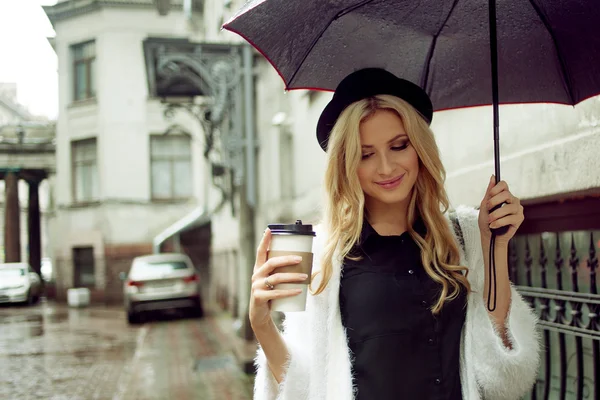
{"x": 249, "y": 121}
{"x": 248, "y": 191}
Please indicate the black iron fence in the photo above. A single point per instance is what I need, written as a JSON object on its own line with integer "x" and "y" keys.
{"x": 556, "y": 273}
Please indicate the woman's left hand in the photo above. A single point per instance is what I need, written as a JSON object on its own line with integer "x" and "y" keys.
{"x": 511, "y": 214}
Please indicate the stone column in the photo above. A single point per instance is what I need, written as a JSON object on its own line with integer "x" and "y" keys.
{"x": 12, "y": 228}
{"x": 34, "y": 227}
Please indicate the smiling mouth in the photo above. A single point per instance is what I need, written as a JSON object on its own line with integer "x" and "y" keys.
{"x": 390, "y": 181}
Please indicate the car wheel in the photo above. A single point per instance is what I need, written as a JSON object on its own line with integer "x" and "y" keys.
{"x": 197, "y": 311}
{"x": 30, "y": 299}
{"x": 133, "y": 318}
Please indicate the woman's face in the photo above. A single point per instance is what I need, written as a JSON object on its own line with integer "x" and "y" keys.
{"x": 390, "y": 165}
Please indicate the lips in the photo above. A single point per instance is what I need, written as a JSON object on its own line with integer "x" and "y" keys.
{"x": 390, "y": 181}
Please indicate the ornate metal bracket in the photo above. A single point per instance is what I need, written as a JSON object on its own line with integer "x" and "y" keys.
{"x": 181, "y": 72}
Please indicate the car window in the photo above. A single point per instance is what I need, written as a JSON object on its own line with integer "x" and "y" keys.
{"x": 164, "y": 267}
{"x": 11, "y": 273}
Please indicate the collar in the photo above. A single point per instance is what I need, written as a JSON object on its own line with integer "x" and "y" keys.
{"x": 368, "y": 231}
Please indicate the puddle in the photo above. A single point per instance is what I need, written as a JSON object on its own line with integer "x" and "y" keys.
{"x": 10, "y": 319}
{"x": 19, "y": 327}
{"x": 20, "y": 332}
{"x": 215, "y": 362}
{"x": 56, "y": 318}
{"x": 103, "y": 314}
{"x": 33, "y": 331}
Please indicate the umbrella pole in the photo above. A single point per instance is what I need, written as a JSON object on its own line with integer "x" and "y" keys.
{"x": 495, "y": 101}
{"x": 492, "y": 286}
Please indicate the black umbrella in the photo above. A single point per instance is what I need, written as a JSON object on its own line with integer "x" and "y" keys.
{"x": 464, "y": 53}
{"x": 549, "y": 49}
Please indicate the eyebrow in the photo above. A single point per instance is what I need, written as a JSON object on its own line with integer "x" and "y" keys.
{"x": 369, "y": 146}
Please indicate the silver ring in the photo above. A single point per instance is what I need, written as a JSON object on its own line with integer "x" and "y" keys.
{"x": 268, "y": 284}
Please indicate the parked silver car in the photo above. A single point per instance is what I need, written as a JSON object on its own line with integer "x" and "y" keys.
{"x": 161, "y": 282}
{"x": 19, "y": 284}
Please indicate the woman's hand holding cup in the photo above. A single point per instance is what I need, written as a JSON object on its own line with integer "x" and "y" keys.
{"x": 264, "y": 279}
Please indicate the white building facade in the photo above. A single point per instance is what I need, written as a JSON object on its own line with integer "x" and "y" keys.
{"x": 120, "y": 180}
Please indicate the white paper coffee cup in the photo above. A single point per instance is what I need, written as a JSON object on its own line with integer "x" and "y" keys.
{"x": 292, "y": 239}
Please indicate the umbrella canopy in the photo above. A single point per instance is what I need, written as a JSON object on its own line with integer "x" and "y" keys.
{"x": 548, "y": 50}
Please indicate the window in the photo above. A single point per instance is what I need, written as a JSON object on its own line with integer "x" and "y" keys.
{"x": 85, "y": 170}
{"x": 171, "y": 167}
{"x": 83, "y": 267}
{"x": 84, "y": 58}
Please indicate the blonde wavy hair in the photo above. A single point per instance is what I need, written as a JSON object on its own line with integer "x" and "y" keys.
{"x": 345, "y": 201}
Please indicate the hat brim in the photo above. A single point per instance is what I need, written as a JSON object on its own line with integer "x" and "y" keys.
{"x": 367, "y": 83}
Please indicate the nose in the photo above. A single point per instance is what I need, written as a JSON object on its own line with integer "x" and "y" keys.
{"x": 384, "y": 166}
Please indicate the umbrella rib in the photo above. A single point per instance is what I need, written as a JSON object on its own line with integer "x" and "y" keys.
{"x": 561, "y": 60}
{"x": 316, "y": 39}
{"x": 425, "y": 76}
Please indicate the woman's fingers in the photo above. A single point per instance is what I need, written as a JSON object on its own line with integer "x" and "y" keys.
{"x": 512, "y": 219}
{"x": 510, "y": 214}
{"x": 266, "y": 295}
{"x": 266, "y": 268}
{"x": 261, "y": 251}
{"x": 498, "y": 188}
{"x": 490, "y": 186}
{"x": 503, "y": 197}
{"x": 280, "y": 277}
{"x": 507, "y": 209}
{"x": 486, "y": 197}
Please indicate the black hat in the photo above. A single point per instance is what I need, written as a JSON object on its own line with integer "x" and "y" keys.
{"x": 366, "y": 83}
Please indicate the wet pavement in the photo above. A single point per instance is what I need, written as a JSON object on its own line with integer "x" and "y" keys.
{"x": 50, "y": 351}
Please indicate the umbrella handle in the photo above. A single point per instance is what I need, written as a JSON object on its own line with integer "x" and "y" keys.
{"x": 503, "y": 229}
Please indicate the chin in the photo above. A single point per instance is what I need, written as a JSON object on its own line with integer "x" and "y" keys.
{"x": 392, "y": 197}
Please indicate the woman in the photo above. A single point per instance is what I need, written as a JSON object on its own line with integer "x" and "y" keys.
{"x": 398, "y": 307}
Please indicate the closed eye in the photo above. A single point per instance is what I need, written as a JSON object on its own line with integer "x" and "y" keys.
{"x": 401, "y": 147}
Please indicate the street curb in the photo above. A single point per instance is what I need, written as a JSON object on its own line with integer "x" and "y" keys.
{"x": 243, "y": 350}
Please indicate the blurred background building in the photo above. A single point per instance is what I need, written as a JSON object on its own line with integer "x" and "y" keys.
{"x": 27, "y": 163}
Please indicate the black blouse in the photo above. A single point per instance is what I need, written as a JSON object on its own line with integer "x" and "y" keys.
{"x": 400, "y": 350}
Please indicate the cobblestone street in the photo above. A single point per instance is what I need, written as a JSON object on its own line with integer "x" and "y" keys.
{"x": 51, "y": 351}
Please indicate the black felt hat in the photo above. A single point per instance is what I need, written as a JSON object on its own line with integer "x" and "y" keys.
{"x": 366, "y": 83}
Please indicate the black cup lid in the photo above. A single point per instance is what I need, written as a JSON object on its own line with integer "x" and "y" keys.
{"x": 292, "y": 229}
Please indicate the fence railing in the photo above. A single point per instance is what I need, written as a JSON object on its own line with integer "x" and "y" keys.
{"x": 556, "y": 273}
